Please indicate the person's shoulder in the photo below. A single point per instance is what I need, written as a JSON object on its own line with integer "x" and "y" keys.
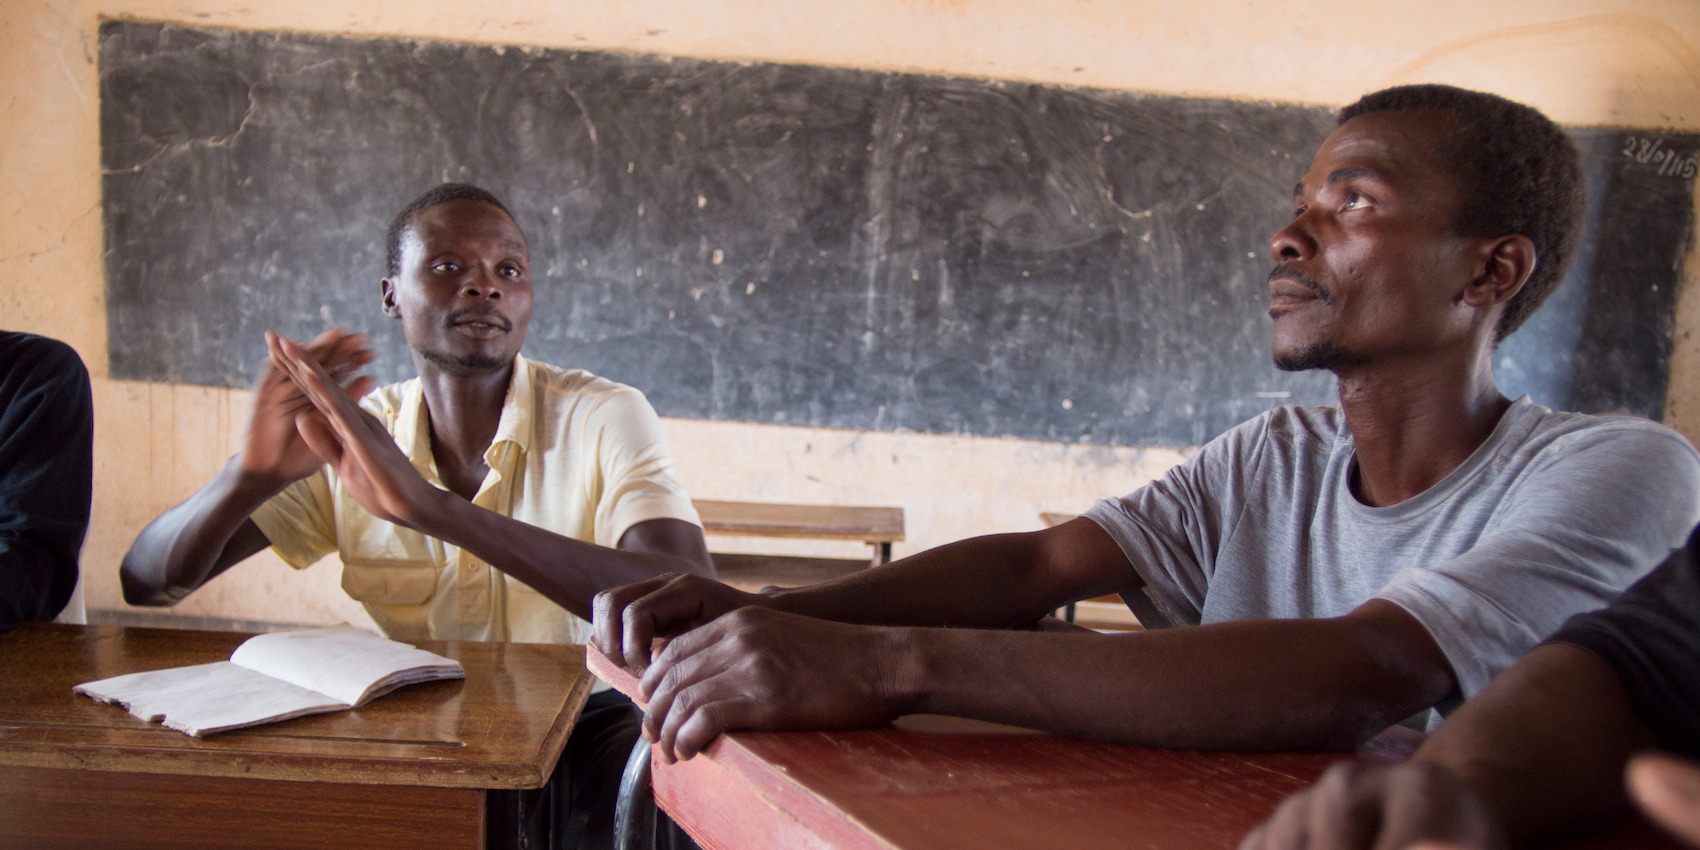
{"x": 1543, "y": 428}
{"x": 33, "y": 352}
{"x": 1305, "y": 427}
{"x": 385, "y": 402}
{"x": 555, "y": 380}
{"x": 1280, "y": 441}
{"x": 1548, "y": 442}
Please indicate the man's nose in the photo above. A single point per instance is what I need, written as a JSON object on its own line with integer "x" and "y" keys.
{"x": 1293, "y": 242}
{"x": 481, "y": 282}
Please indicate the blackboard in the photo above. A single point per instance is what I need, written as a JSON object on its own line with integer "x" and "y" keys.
{"x": 792, "y": 244}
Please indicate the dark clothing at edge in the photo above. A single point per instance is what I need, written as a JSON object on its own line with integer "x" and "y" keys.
{"x": 46, "y": 467}
{"x": 1651, "y": 638}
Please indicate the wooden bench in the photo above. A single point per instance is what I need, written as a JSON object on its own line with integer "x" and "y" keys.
{"x": 877, "y": 527}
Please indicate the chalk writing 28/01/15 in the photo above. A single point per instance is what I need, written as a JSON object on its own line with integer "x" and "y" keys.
{"x": 1653, "y": 152}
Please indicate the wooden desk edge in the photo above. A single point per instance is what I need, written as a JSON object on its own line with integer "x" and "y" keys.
{"x": 111, "y": 759}
{"x": 131, "y": 758}
{"x": 291, "y": 767}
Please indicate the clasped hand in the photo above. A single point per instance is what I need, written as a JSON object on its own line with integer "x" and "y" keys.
{"x": 729, "y": 663}
{"x": 275, "y": 452}
{"x": 353, "y": 442}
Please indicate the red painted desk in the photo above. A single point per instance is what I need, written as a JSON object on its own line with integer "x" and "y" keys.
{"x": 933, "y": 786}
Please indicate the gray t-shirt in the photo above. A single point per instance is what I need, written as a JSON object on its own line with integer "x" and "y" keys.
{"x": 1556, "y": 514}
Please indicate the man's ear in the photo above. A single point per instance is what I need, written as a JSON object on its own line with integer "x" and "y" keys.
{"x": 390, "y": 308}
{"x": 1509, "y": 262}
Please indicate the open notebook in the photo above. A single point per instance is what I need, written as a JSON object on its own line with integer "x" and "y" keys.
{"x": 274, "y": 677}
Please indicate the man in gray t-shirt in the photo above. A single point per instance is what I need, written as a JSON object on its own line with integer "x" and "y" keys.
{"x": 1549, "y": 517}
{"x": 1339, "y": 569}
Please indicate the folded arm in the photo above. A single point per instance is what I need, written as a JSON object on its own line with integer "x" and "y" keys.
{"x": 1292, "y": 684}
{"x": 998, "y": 581}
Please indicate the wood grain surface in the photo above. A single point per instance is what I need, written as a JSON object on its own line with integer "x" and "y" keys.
{"x": 815, "y": 522}
{"x": 503, "y": 727}
{"x": 49, "y": 808}
{"x": 956, "y": 786}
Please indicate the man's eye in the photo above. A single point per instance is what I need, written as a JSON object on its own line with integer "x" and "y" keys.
{"x": 446, "y": 267}
{"x": 1354, "y": 200}
{"x": 510, "y": 271}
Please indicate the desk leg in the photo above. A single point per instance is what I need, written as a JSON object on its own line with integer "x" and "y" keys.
{"x": 882, "y": 553}
{"x": 504, "y": 820}
{"x": 634, "y": 813}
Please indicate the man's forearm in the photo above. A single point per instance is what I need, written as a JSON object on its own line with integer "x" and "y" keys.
{"x": 1289, "y": 684}
{"x": 992, "y": 582}
{"x": 569, "y": 572}
{"x": 192, "y": 542}
{"x": 1545, "y": 743}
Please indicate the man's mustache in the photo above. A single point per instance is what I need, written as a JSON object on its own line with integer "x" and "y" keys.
{"x": 1300, "y": 278}
{"x": 493, "y": 317}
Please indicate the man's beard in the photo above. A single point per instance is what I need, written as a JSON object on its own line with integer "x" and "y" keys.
{"x": 1317, "y": 354}
{"x": 1321, "y": 354}
{"x": 464, "y": 362}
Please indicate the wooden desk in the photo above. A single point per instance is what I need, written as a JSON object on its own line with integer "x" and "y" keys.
{"x": 877, "y": 527}
{"x": 941, "y": 785}
{"x": 439, "y": 764}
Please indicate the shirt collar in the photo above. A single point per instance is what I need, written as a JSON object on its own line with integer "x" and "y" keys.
{"x": 514, "y": 426}
{"x": 517, "y": 411}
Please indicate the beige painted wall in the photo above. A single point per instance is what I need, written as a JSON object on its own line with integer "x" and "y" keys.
{"x": 1612, "y": 62}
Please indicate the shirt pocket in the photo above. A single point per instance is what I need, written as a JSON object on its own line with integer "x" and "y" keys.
{"x": 389, "y": 581}
{"x": 384, "y": 563}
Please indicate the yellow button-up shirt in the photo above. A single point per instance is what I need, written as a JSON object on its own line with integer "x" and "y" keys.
{"x": 575, "y": 454}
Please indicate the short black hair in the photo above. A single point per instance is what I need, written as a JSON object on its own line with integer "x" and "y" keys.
{"x": 438, "y": 196}
{"x": 1520, "y": 174}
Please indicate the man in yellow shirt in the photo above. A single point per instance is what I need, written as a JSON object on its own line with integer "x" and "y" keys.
{"x": 490, "y": 498}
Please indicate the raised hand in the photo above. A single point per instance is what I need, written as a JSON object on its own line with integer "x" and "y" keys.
{"x": 629, "y": 618}
{"x": 368, "y": 463}
{"x": 1357, "y": 806}
{"x": 756, "y": 668}
{"x": 275, "y": 451}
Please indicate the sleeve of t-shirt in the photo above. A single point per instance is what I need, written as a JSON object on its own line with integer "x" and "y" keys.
{"x": 1651, "y": 638}
{"x": 1171, "y": 529}
{"x": 1600, "y": 510}
{"x": 300, "y": 522}
{"x": 639, "y": 481}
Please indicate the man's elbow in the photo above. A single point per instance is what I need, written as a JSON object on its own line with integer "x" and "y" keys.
{"x": 139, "y": 591}
{"x": 1400, "y": 671}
